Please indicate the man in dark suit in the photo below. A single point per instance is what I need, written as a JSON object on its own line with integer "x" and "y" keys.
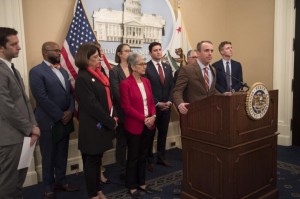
{"x": 195, "y": 81}
{"x": 161, "y": 79}
{"x": 229, "y": 72}
{"x": 16, "y": 117}
{"x": 50, "y": 86}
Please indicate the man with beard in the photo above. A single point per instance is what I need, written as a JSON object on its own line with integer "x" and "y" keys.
{"x": 51, "y": 88}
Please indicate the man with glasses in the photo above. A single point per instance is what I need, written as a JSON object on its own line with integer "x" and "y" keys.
{"x": 50, "y": 86}
{"x": 191, "y": 58}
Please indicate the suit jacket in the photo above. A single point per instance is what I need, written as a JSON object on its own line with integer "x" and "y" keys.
{"x": 236, "y": 72}
{"x": 190, "y": 85}
{"x": 93, "y": 109}
{"x": 16, "y": 115}
{"x": 52, "y": 99}
{"x": 161, "y": 93}
{"x": 116, "y": 75}
{"x": 132, "y": 104}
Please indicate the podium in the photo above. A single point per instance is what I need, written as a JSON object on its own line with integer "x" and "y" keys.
{"x": 226, "y": 154}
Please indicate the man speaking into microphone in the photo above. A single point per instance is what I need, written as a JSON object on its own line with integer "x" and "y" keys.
{"x": 229, "y": 72}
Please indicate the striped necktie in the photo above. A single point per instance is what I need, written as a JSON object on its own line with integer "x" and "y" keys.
{"x": 206, "y": 78}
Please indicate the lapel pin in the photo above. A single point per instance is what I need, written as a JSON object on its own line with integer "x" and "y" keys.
{"x": 93, "y": 80}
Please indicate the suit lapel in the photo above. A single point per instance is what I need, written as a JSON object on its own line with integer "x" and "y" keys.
{"x": 154, "y": 71}
{"x": 121, "y": 73}
{"x": 51, "y": 74}
{"x": 198, "y": 71}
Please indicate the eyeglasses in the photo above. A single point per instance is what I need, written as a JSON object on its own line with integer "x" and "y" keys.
{"x": 55, "y": 50}
{"x": 127, "y": 51}
{"x": 194, "y": 57}
{"x": 142, "y": 64}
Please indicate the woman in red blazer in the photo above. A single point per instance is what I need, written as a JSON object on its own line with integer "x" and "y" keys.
{"x": 139, "y": 116}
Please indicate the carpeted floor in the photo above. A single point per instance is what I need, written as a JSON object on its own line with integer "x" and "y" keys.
{"x": 168, "y": 180}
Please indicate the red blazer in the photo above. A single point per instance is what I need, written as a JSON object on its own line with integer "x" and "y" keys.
{"x": 132, "y": 104}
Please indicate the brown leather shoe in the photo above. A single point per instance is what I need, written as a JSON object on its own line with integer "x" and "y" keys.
{"x": 164, "y": 163}
{"x": 150, "y": 167}
{"x": 49, "y": 195}
{"x": 66, "y": 187}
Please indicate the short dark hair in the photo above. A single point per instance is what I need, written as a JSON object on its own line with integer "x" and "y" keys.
{"x": 132, "y": 60}
{"x": 152, "y": 45}
{"x": 84, "y": 52}
{"x": 4, "y": 33}
{"x": 119, "y": 50}
{"x": 222, "y": 44}
{"x": 199, "y": 45}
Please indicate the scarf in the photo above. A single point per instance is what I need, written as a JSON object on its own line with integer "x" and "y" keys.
{"x": 104, "y": 80}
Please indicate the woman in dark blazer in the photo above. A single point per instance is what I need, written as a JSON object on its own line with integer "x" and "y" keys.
{"x": 96, "y": 119}
{"x": 139, "y": 116}
{"x": 116, "y": 75}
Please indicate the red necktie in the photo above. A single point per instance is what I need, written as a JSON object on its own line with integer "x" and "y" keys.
{"x": 206, "y": 78}
{"x": 161, "y": 74}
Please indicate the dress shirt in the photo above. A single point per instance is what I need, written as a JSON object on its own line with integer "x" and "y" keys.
{"x": 210, "y": 75}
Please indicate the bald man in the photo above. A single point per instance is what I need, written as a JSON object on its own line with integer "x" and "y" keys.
{"x": 51, "y": 88}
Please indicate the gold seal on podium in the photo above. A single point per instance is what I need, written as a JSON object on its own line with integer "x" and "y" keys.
{"x": 257, "y": 101}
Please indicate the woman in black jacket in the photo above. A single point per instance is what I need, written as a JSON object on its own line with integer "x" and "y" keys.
{"x": 97, "y": 121}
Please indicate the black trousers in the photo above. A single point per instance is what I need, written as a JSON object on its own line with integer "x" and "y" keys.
{"x": 138, "y": 147}
{"x": 91, "y": 168}
{"x": 121, "y": 147}
{"x": 162, "y": 125}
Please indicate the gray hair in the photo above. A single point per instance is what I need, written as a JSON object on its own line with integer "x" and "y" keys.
{"x": 190, "y": 52}
{"x": 132, "y": 59}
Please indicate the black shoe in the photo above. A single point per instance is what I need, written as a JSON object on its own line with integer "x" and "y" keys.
{"x": 148, "y": 190}
{"x": 106, "y": 182}
{"x": 66, "y": 188}
{"x": 49, "y": 195}
{"x": 164, "y": 163}
{"x": 150, "y": 167}
{"x": 122, "y": 176}
{"x": 135, "y": 195}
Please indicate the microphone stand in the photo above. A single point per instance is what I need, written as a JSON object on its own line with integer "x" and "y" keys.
{"x": 244, "y": 84}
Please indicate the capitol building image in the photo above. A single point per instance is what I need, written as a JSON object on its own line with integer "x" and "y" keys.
{"x": 130, "y": 26}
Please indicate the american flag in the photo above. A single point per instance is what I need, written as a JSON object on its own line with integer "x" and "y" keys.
{"x": 80, "y": 31}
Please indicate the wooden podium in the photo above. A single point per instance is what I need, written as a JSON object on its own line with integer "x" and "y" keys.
{"x": 226, "y": 154}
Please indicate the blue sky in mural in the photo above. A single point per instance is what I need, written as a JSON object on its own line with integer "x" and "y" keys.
{"x": 159, "y": 7}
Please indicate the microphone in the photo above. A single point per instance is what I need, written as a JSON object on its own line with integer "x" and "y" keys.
{"x": 244, "y": 84}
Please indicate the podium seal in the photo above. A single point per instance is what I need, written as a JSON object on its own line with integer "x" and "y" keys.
{"x": 257, "y": 101}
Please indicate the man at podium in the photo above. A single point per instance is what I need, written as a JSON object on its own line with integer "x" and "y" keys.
{"x": 196, "y": 81}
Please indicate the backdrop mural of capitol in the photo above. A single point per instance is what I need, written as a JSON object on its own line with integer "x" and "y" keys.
{"x": 130, "y": 26}
{"x": 135, "y": 22}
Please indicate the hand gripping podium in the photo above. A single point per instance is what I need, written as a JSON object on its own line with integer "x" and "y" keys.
{"x": 226, "y": 154}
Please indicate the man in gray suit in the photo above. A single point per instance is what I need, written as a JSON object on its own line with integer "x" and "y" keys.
{"x": 195, "y": 81}
{"x": 16, "y": 117}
